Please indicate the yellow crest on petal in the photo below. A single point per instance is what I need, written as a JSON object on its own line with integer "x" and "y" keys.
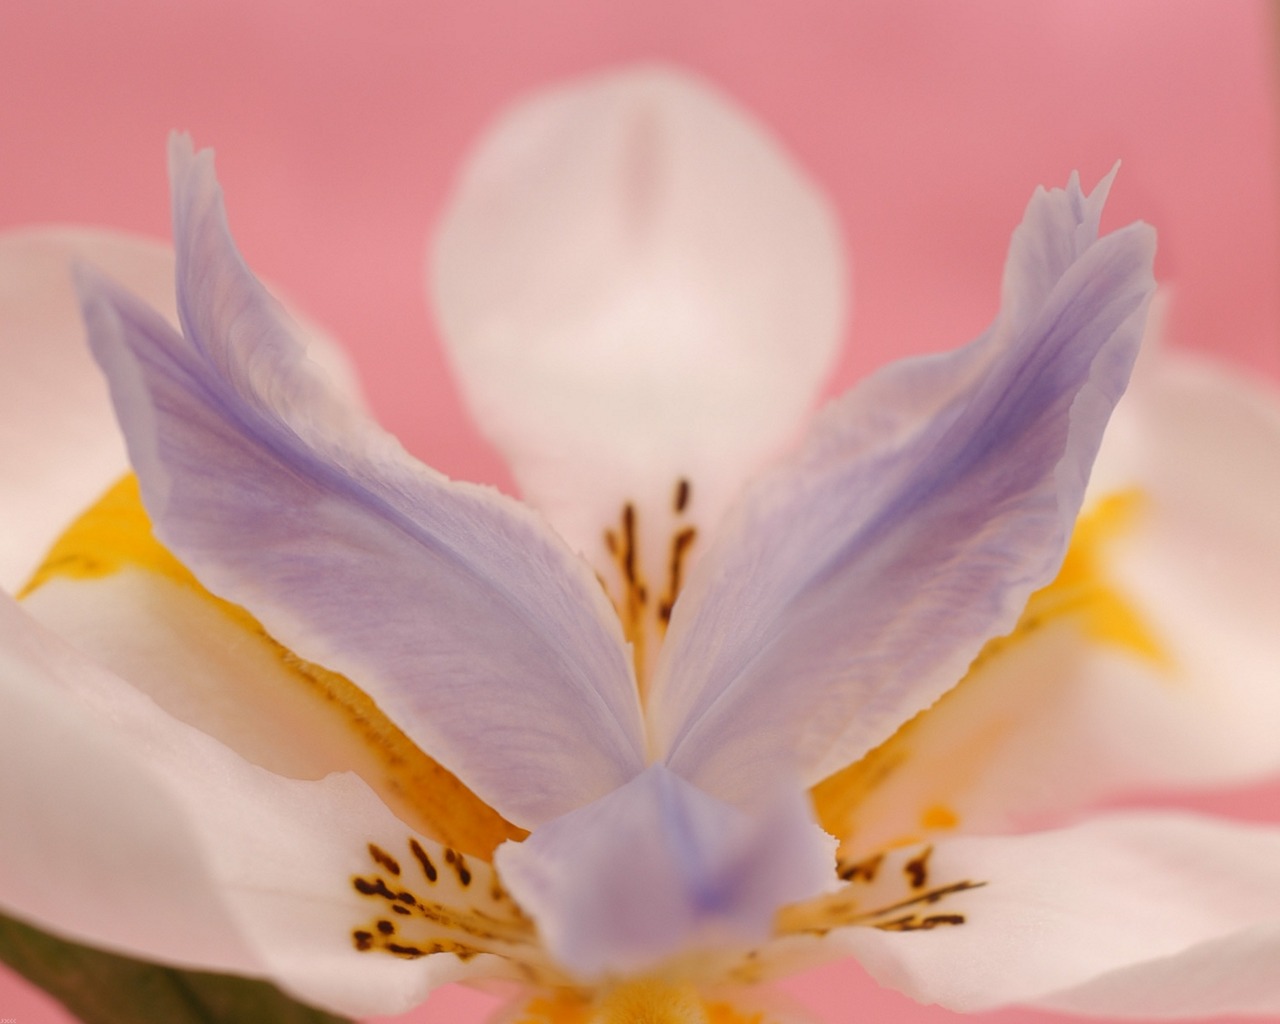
{"x": 113, "y": 533}
{"x": 1083, "y": 597}
{"x": 1082, "y": 587}
{"x": 115, "y": 536}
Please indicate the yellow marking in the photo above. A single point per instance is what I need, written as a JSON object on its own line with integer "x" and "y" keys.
{"x": 650, "y": 1001}
{"x": 837, "y": 798}
{"x": 1082, "y": 586}
{"x": 723, "y": 1013}
{"x": 555, "y": 1008}
{"x": 1080, "y": 594}
{"x": 939, "y": 816}
{"x": 639, "y": 1001}
{"x": 115, "y": 533}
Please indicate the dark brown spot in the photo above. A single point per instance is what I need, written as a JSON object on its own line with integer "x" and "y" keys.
{"x": 633, "y": 599}
{"x": 680, "y": 544}
{"x": 412, "y": 952}
{"x": 428, "y": 868}
{"x": 913, "y": 923}
{"x": 400, "y": 910}
{"x": 460, "y": 866}
{"x": 682, "y": 495}
{"x": 386, "y": 927}
{"x": 363, "y": 940}
{"x": 377, "y": 887}
{"x": 629, "y": 543}
{"x": 862, "y": 871}
{"x": 917, "y": 869}
{"x": 924, "y": 899}
{"x": 385, "y": 859}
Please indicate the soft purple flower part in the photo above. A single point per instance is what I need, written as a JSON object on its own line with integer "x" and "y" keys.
{"x": 854, "y": 584}
{"x": 457, "y": 609}
{"x": 659, "y": 866}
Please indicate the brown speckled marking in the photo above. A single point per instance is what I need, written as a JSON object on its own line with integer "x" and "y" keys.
{"x": 862, "y": 871}
{"x": 384, "y": 859}
{"x": 459, "y": 865}
{"x": 917, "y": 869}
{"x": 643, "y": 610}
{"x": 428, "y": 867}
{"x": 463, "y": 919}
{"x": 891, "y": 901}
{"x": 680, "y": 501}
{"x": 915, "y": 923}
{"x": 681, "y": 542}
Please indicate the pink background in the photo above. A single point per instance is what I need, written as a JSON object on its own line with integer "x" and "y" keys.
{"x": 340, "y": 126}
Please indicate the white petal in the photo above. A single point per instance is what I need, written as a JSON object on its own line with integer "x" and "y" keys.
{"x": 197, "y": 662}
{"x": 92, "y": 843}
{"x": 1200, "y": 446}
{"x": 457, "y": 610}
{"x": 637, "y": 286}
{"x": 1235, "y": 975}
{"x": 127, "y": 829}
{"x": 856, "y": 582}
{"x": 658, "y": 868}
{"x": 1123, "y": 900}
{"x": 61, "y": 447}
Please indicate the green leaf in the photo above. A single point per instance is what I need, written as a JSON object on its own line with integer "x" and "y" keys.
{"x": 102, "y": 988}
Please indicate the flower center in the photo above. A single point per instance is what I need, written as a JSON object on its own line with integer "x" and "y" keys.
{"x": 639, "y": 1001}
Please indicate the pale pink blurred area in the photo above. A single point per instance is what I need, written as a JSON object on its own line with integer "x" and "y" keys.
{"x": 340, "y": 127}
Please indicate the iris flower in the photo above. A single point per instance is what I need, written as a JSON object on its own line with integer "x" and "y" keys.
{"x": 734, "y": 694}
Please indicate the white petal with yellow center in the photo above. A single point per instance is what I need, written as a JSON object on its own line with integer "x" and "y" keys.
{"x": 175, "y": 849}
{"x": 1121, "y": 896}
